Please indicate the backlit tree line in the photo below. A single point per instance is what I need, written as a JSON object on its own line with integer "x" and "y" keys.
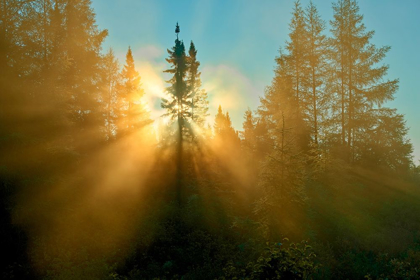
{"x": 63, "y": 99}
{"x": 327, "y": 96}
{"x": 329, "y": 93}
{"x": 51, "y": 60}
{"x": 325, "y": 108}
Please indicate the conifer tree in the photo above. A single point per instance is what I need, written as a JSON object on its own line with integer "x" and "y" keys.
{"x": 223, "y": 129}
{"x": 248, "y": 133}
{"x": 384, "y": 144}
{"x": 289, "y": 90}
{"x": 187, "y": 102}
{"x": 284, "y": 116}
{"x": 359, "y": 85}
{"x": 219, "y": 121}
{"x": 178, "y": 104}
{"x": 297, "y": 57}
{"x": 316, "y": 71}
{"x": 132, "y": 113}
{"x": 111, "y": 86}
{"x": 199, "y": 102}
{"x": 82, "y": 42}
{"x": 55, "y": 46}
{"x": 280, "y": 102}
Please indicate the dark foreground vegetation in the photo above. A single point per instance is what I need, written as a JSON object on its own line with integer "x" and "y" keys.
{"x": 319, "y": 184}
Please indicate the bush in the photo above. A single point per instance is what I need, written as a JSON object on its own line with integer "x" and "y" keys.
{"x": 278, "y": 261}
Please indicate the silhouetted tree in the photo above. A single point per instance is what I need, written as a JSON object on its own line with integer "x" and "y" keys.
{"x": 178, "y": 104}
{"x": 199, "y": 103}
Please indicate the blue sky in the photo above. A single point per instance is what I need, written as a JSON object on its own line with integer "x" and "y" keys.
{"x": 238, "y": 40}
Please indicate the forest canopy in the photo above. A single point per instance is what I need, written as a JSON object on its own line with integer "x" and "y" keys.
{"x": 319, "y": 183}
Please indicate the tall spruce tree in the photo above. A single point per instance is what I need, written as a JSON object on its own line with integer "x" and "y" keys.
{"x": 187, "y": 102}
{"x": 248, "y": 133}
{"x": 316, "y": 55}
{"x": 285, "y": 114}
{"x": 133, "y": 115}
{"x": 199, "y": 102}
{"x": 223, "y": 129}
{"x": 291, "y": 80}
{"x": 297, "y": 57}
{"x": 111, "y": 86}
{"x": 178, "y": 103}
{"x": 360, "y": 85}
{"x": 82, "y": 43}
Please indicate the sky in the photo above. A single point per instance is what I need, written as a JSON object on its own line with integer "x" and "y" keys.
{"x": 237, "y": 42}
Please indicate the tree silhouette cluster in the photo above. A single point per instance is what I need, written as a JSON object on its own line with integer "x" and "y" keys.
{"x": 187, "y": 101}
